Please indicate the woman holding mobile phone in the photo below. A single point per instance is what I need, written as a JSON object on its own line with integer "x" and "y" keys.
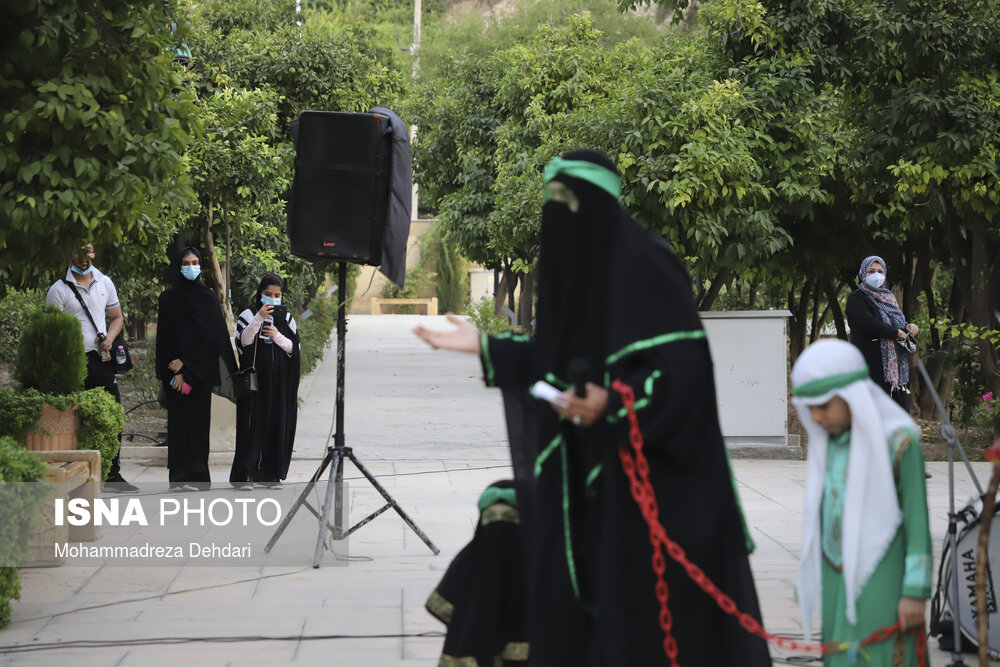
{"x": 268, "y": 340}
{"x": 191, "y": 337}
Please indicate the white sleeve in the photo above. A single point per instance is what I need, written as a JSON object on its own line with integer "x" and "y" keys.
{"x": 251, "y": 329}
{"x": 112, "y": 295}
{"x": 55, "y": 295}
{"x": 284, "y": 343}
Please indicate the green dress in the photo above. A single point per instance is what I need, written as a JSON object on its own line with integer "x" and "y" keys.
{"x": 904, "y": 571}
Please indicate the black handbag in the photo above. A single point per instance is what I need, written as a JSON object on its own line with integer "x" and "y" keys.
{"x": 245, "y": 380}
{"x": 119, "y": 339}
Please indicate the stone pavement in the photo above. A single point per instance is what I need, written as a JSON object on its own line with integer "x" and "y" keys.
{"x": 422, "y": 422}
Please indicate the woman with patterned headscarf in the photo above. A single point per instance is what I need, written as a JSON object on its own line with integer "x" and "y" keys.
{"x": 880, "y": 330}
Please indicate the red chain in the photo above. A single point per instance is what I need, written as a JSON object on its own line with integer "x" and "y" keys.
{"x": 637, "y": 469}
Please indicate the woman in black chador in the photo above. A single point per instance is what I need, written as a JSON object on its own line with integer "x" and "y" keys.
{"x": 614, "y": 303}
{"x": 191, "y": 337}
{"x": 268, "y": 340}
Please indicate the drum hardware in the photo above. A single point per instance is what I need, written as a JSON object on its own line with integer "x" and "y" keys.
{"x": 950, "y": 435}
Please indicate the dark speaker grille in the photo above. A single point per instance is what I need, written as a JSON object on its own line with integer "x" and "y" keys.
{"x": 341, "y": 186}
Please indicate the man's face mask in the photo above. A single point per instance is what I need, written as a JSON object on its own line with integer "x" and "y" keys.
{"x": 191, "y": 271}
{"x": 556, "y": 191}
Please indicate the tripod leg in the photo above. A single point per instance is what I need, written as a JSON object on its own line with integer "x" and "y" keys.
{"x": 298, "y": 502}
{"x": 337, "y": 462}
{"x": 389, "y": 499}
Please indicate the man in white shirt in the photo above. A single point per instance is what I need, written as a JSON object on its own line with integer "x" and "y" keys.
{"x": 101, "y": 299}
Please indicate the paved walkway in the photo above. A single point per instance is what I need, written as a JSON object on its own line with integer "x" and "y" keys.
{"x": 424, "y": 424}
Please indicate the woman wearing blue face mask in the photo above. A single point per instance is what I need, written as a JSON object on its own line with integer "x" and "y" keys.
{"x": 268, "y": 341}
{"x": 880, "y": 330}
{"x": 191, "y": 337}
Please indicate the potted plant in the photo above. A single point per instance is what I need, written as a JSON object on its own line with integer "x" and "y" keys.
{"x": 51, "y": 360}
{"x": 51, "y": 410}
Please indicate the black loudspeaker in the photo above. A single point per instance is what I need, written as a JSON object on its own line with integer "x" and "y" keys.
{"x": 341, "y": 187}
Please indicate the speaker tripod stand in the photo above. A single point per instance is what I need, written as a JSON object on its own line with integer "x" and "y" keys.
{"x": 951, "y": 542}
{"x": 333, "y": 464}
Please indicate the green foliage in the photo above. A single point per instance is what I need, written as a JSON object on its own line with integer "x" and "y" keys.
{"x": 95, "y": 124}
{"x": 453, "y": 278}
{"x": 16, "y": 308}
{"x": 51, "y": 356}
{"x": 314, "y": 333}
{"x": 18, "y": 508}
{"x": 101, "y": 422}
{"x": 481, "y": 314}
{"x": 19, "y": 411}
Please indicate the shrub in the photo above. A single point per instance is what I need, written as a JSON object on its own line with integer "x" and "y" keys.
{"x": 50, "y": 357}
{"x": 453, "y": 277}
{"x": 16, "y": 309}
{"x": 482, "y": 316}
{"x": 18, "y": 514}
{"x": 101, "y": 418}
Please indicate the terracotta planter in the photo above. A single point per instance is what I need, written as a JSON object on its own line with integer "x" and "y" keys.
{"x": 55, "y": 429}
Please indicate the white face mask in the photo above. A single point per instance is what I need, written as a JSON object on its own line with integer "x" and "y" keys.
{"x": 270, "y": 301}
{"x": 875, "y": 280}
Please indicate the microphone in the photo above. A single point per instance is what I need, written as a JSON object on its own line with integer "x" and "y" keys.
{"x": 578, "y": 370}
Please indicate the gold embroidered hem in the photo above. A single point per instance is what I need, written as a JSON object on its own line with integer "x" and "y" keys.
{"x": 449, "y": 661}
{"x": 515, "y": 651}
{"x": 440, "y": 608}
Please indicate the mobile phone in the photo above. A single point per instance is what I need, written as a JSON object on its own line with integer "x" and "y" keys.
{"x": 185, "y": 388}
{"x": 280, "y": 313}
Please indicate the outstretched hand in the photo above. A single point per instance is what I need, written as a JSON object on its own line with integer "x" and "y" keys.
{"x": 463, "y": 338}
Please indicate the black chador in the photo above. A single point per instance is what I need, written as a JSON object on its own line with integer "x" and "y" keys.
{"x": 190, "y": 327}
{"x": 616, "y": 298}
{"x": 481, "y": 597}
{"x": 265, "y": 422}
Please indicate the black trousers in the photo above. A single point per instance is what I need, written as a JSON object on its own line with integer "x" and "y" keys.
{"x": 102, "y": 374}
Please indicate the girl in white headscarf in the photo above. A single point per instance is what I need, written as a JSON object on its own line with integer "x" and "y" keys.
{"x": 866, "y": 555}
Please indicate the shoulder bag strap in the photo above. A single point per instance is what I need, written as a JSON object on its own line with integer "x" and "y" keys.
{"x": 253, "y": 365}
{"x": 72, "y": 288}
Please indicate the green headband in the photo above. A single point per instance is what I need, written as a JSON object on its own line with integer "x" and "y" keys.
{"x": 602, "y": 177}
{"x": 825, "y": 385}
{"x": 495, "y": 495}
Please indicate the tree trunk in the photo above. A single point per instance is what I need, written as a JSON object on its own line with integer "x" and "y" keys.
{"x": 229, "y": 264}
{"x": 500, "y": 296}
{"x": 833, "y": 303}
{"x": 525, "y": 309}
{"x": 220, "y": 285}
{"x": 797, "y": 322}
{"x": 814, "y": 321}
{"x": 709, "y": 297}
